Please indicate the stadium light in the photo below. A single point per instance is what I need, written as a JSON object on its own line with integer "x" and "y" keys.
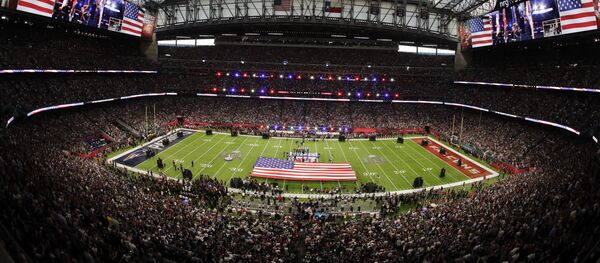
{"x": 224, "y": 89}
{"x": 219, "y": 74}
{"x": 358, "y": 94}
{"x": 252, "y": 90}
{"x": 242, "y": 90}
{"x": 339, "y": 94}
{"x": 214, "y": 89}
{"x": 312, "y": 77}
{"x": 232, "y": 90}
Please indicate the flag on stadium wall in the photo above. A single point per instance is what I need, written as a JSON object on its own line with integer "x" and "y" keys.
{"x": 282, "y": 5}
{"x": 38, "y": 7}
{"x": 577, "y": 16}
{"x": 133, "y": 20}
{"x": 481, "y": 31}
{"x": 335, "y": 7}
{"x": 149, "y": 24}
{"x": 274, "y": 168}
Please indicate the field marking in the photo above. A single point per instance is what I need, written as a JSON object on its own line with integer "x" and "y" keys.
{"x": 173, "y": 146}
{"x": 243, "y": 159}
{"x": 225, "y": 163}
{"x": 361, "y": 162}
{"x": 410, "y": 167}
{"x": 381, "y": 169}
{"x": 402, "y": 160}
{"x": 424, "y": 167}
{"x": 459, "y": 172}
{"x": 194, "y": 150}
{"x": 210, "y": 162}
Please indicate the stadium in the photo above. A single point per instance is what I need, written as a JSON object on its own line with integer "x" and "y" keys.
{"x": 299, "y": 131}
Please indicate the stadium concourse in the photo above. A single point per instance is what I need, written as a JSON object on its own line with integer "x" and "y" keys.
{"x": 61, "y": 202}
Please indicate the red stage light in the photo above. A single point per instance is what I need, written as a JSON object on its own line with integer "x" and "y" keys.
{"x": 357, "y": 78}
{"x": 329, "y": 78}
{"x": 272, "y": 91}
{"x": 243, "y": 90}
{"x": 245, "y": 75}
{"x": 339, "y": 93}
{"x": 299, "y": 77}
{"x": 396, "y": 95}
{"x": 219, "y": 74}
{"x": 369, "y": 94}
{"x": 214, "y": 89}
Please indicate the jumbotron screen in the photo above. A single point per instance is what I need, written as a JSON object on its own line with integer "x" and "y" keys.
{"x": 515, "y": 21}
{"x": 114, "y": 15}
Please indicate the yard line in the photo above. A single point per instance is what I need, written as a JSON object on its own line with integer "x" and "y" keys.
{"x": 421, "y": 164}
{"x": 217, "y": 155}
{"x": 317, "y": 151}
{"x": 243, "y": 159}
{"x": 392, "y": 163}
{"x": 407, "y": 164}
{"x": 379, "y": 166}
{"x": 198, "y": 147}
{"x": 225, "y": 163}
{"x": 459, "y": 172}
{"x": 361, "y": 162}
{"x": 331, "y": 157}
{"x": 173, "y": 147}
{"x": 346, "y": 159}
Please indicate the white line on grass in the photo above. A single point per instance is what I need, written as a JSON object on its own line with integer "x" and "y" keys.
{"x": 225, "y": 163}
{"x": 379, "y": 166}
{"x": 243, "y": 159}
{"x": 361, "y": 162}
{"x": 402, "y": 160}
{"x": 173, "y": 146}
{"x": 194, "y": 150}
{"x": 418, "y": 152}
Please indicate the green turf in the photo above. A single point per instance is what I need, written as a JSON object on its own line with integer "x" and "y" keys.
{"x": 398, "y": 164}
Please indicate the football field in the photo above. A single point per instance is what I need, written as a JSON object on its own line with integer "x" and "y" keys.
{"x": 384, "y": 162}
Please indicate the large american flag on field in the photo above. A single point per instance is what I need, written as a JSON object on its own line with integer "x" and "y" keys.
{"x": 38, "y": 7}
{"x": 577, "y": 16}
{"x": 274, "y": 168}
{"x": 481, "y": 31}
{"x": 133, "y": 20}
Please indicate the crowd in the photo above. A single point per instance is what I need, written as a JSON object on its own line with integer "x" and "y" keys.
{"x": 60, "y": 207}
{"x": 81, "y": 209}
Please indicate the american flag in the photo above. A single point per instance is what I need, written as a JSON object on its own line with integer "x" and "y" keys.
{"x": 274, "y": 168}
{"x": 481, "y": 31}
{"x": 133, "y": 20}
{"x": 38, "y": 7}
{"x": 282, "y": 5}
{"x": 577, "y": 15}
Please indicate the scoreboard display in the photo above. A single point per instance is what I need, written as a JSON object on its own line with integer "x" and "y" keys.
{"x": 514, "y": 21}
{"x": 114, "y": 15}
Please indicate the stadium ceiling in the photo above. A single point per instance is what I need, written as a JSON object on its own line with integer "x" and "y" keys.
{"x": 401, "y": 20}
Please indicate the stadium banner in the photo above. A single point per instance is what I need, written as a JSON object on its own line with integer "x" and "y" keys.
{"x": 114, "y": 15}
{"x": 522, "y": 20}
